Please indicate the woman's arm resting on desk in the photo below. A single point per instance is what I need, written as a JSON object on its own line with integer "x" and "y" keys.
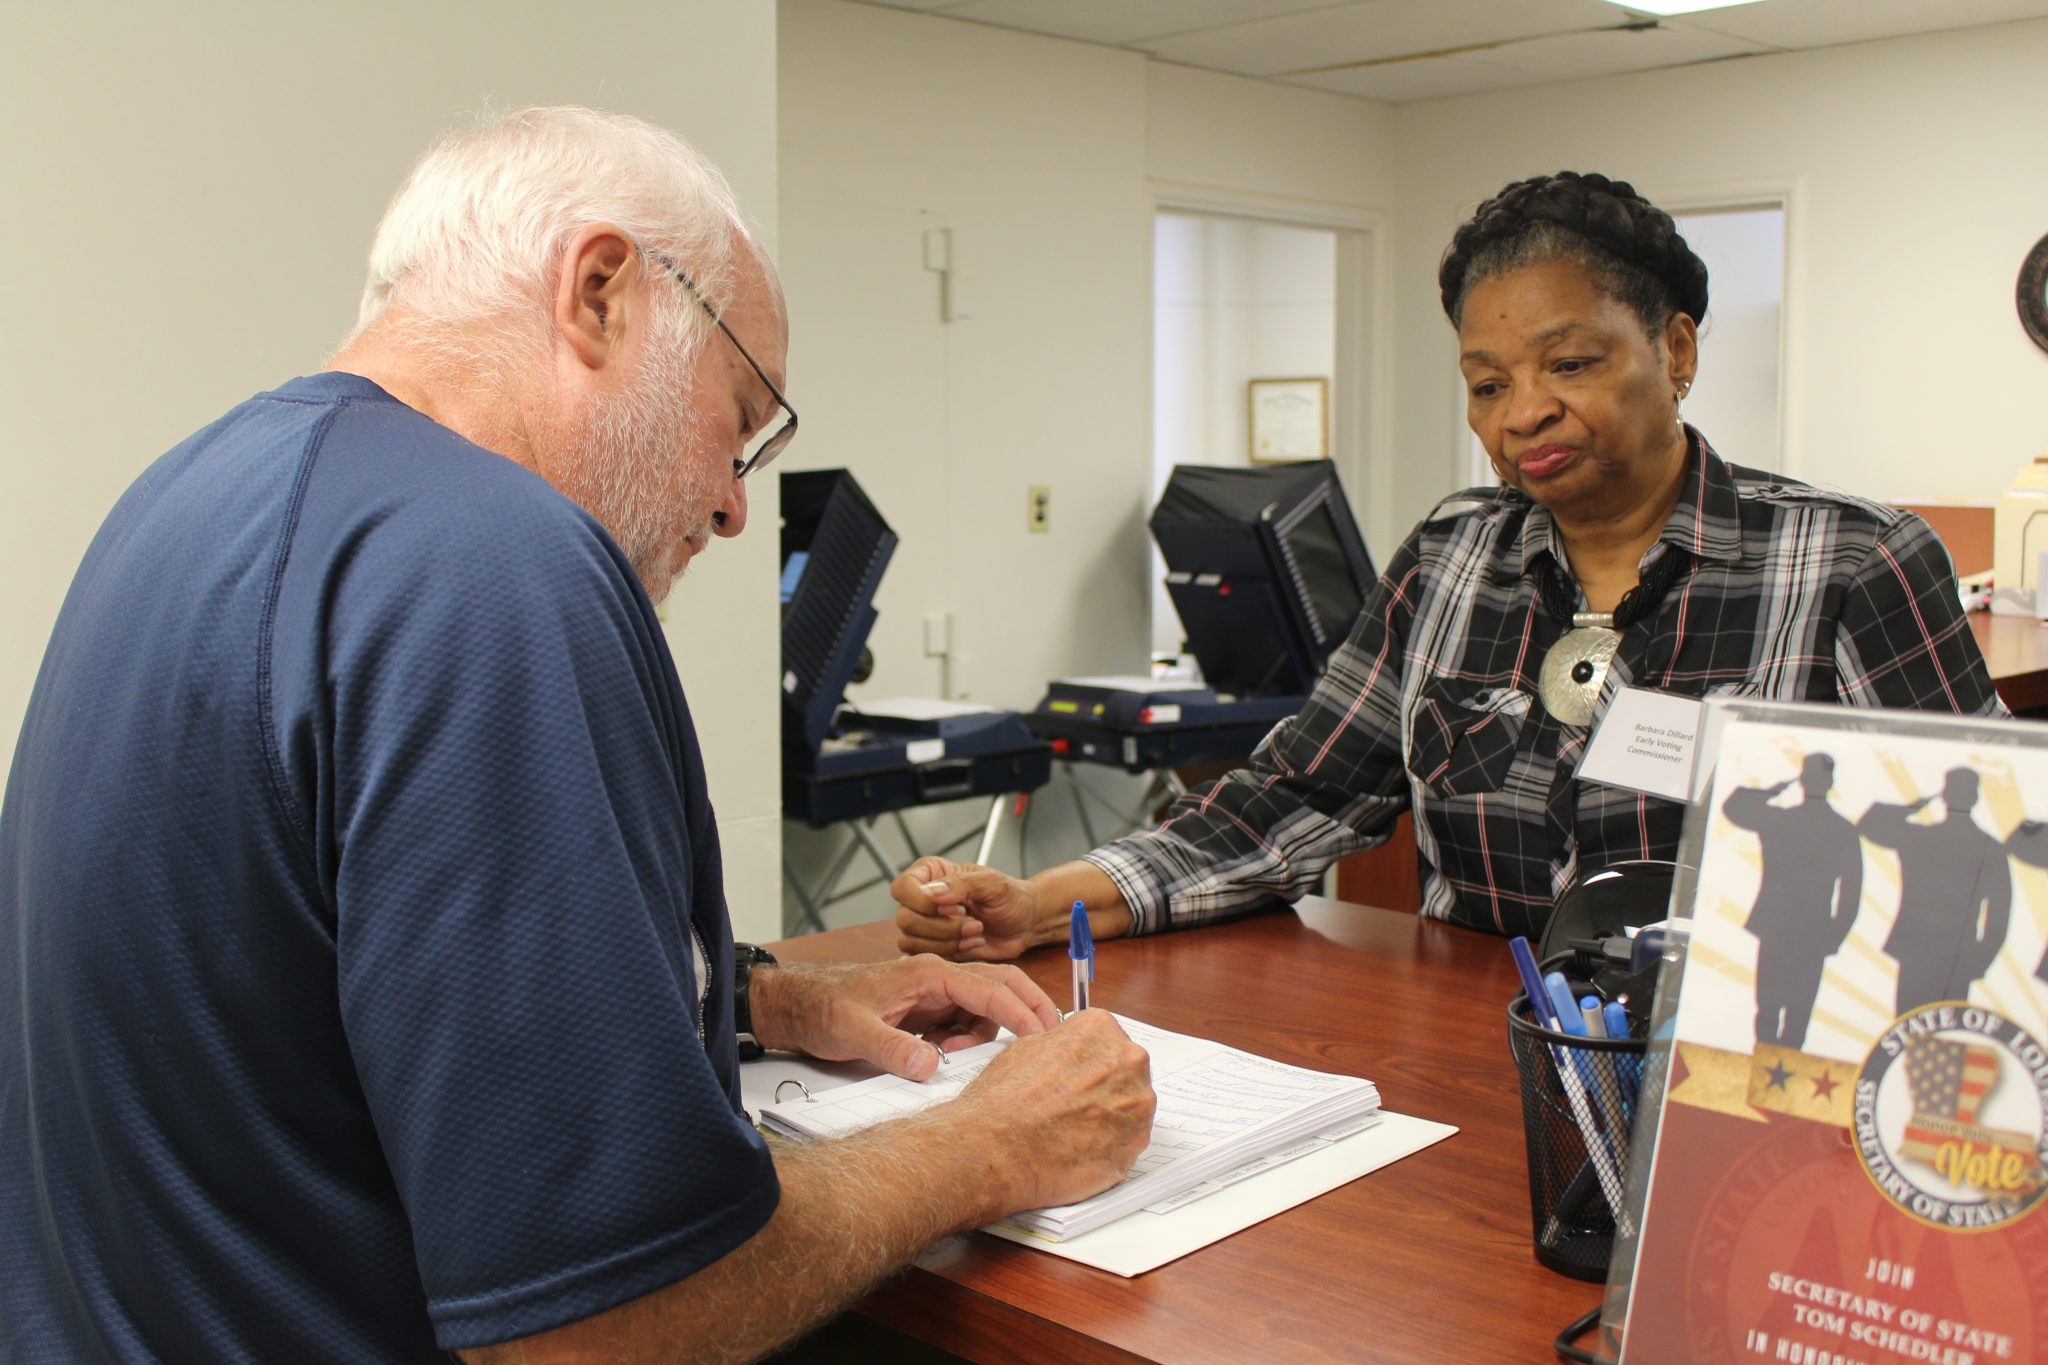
{"x": 963, "y": 910}
{"x": 1057, "y": 1117}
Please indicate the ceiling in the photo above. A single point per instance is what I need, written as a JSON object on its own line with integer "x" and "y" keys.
{"x": 1401, "y": 50}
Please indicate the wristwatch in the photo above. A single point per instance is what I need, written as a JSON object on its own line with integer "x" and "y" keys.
{"x": 746, "y": 957}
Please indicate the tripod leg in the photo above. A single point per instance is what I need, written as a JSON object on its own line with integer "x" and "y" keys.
{"x": 988, "y": 833}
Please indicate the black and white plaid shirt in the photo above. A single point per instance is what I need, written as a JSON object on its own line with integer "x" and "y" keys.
{"x": 1786, "y": 593}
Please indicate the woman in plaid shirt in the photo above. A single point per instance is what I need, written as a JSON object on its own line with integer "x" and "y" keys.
{"x": 1618, "y": 546}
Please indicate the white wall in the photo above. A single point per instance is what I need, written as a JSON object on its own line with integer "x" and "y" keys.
{"x": 1233, "y": 300}
{"x": 1738, "y": 393}
{"x": 1032, "y": 153}
{"x": 1041, "y": 156}
{"x": 1227, "y": 144}
{"x": 190, "y": 193}
{"x": 1915, "y": 170}
{"x": 1242, "y": 137}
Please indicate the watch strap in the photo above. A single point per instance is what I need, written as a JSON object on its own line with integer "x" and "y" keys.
{"x": 746, "y": 957}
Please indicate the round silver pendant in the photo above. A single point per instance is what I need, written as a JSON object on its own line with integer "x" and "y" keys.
{"x": 1573, "y": 671}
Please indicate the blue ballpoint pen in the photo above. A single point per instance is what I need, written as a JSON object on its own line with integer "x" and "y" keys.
{"x": 1543, "y": 1008}
{"x": 1081, "y": 948}
{"x": 1532, "y": 983}
{"x": 1571, "y": 1020}
{"x": 1628, "y": 1068}
{"x": 1564, "y": 1005}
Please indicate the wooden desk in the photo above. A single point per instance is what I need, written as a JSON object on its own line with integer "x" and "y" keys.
{"x": 1426, "y": 1260}
{"x": 2016, "y": 649}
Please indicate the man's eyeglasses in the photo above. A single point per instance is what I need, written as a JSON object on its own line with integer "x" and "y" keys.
{"x": 764, "y": 453}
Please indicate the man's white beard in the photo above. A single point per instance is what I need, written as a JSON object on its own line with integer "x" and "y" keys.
{"x": 640, "y": 456}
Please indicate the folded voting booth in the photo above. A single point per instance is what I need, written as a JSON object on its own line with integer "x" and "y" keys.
{"x": 1267, "y": 571}
{"x": 842, "y": 762}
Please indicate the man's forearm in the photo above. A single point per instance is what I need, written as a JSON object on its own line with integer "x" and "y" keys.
{"x": 1058, "y": 1116}
{"x": 852, "y": 1211}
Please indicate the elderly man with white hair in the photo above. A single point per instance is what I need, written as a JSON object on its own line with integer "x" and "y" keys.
{"x": 367, "y": 982}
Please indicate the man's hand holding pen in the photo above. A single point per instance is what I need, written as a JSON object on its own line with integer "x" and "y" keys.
{"x": 1082, "y": 1096}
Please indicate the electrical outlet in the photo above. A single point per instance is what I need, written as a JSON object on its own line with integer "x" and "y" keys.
{"x": 1038, "y": 508}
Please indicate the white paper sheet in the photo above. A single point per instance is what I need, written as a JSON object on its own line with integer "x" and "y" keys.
{"x": 1132, "y": 682}
{"x": 760, "y": 1077}
{"x": 919, "y": 708}
{"x": 1144, "y": 1241}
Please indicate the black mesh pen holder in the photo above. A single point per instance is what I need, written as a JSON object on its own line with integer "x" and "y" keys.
{"x": 1578, "y": 1107}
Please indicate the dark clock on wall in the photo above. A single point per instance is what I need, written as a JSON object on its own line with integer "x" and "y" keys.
{"x": 2033, "y": 293}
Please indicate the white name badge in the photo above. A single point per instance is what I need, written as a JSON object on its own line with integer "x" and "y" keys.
{"x": 1648, "y": 741}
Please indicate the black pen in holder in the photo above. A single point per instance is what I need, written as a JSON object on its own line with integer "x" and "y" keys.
{"x": 1578, "y": 1109}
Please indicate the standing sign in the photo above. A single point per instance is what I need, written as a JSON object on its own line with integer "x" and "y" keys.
{"x": 1852, "y": 1157}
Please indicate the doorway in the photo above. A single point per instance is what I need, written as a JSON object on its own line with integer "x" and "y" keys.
{"x": 1736, "y": 400}
{"x": 1234, "y": 300}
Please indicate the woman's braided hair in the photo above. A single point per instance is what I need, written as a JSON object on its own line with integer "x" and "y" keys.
{"x": 1627, "y": 244}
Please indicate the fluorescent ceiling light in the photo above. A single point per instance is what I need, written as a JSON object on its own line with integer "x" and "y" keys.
{"x": 1677, "y": 6}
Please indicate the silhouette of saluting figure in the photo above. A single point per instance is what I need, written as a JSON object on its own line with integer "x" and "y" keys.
{"x": 1955, "y": 892}
{"x": 2029, "y": 843}
{"x": 1812, "y": 858}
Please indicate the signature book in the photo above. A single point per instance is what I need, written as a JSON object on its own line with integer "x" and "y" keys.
{"x": 1224, "y": 1116}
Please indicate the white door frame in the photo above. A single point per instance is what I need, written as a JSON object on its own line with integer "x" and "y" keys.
{"x": 1362, "y": 431}
{"x": 1784, "y": 194}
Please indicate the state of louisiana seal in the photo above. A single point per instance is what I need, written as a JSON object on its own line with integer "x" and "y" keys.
{"x": 1951, "y": 1117}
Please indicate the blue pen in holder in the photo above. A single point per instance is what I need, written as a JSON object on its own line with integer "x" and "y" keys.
{"x": 1578, "y": 1109}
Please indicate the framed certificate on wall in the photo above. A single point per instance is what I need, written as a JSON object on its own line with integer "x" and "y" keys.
{"x": 1290, "y": 420}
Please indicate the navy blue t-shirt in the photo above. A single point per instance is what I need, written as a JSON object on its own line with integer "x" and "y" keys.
{"x": 349, "y": 864}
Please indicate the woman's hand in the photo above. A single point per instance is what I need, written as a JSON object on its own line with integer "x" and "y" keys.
{"x": 964, "y": 910}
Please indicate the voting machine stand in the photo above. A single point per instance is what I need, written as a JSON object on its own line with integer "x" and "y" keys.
{"x": 850, "y": 766}
{"x": 1267, "y": 571}
{"x": 1149, "y": 729}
